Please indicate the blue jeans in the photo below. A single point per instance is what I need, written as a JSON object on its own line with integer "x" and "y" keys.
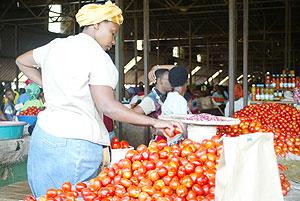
{"x": 54, "y": 160}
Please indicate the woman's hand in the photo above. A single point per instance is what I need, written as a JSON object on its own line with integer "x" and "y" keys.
{"x": 168, "y": 127}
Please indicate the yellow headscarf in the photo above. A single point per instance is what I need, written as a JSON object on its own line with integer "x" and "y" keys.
{"x": 96, "y": 13}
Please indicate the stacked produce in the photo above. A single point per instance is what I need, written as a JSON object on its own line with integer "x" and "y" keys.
{"x": 158, "y": 172}
{"x": 31, "y": 111}
{"x": 116, "y": 144}
{"x": 282, "y": 120}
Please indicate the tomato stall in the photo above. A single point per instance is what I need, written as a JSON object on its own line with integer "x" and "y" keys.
{"x": 190, "y": 170}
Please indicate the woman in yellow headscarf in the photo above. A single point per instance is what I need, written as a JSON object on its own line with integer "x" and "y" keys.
{"x": 78, "y": 78}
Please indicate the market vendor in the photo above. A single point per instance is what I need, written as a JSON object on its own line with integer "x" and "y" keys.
{"x": 32, "y": 91}
{"x": 78, "y": 78}
{"x": 9, "y": 107}
{"x": 175, "y": 102}
{"x": 152, "y": 102}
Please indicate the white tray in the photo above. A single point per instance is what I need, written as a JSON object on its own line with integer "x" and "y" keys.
{"x": 183, "y": 118}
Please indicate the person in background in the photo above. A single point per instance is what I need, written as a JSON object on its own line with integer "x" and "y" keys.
{"x": 33, "y": 91}
{"x": 22, "y": 91}
{"x": 136, "y": 99}
{"x": 23, "y": 96}
{"x": 22, "y": 99}
{"x": 218, "y": 97}
{"x": 175, "y": 102}
{"x": 41, "y": 96}
{"x": 151, "y": 104}
{"x": 70, "y": 140}
{"x": 192, "y": 100}
{"x": 9, "y": 107}
{"x": 7, "y": 86}
{"x": 238, "y": 100}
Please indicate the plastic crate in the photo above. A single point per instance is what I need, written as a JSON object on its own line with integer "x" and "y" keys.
{"x": 11, "y": 129}
{"x": 29, "y": 119}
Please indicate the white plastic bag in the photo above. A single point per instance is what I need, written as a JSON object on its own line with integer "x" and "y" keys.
{"x": 248, "y": 169}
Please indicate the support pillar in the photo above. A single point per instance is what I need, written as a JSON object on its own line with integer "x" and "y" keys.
{"x": 146, "y": 58}
{"x": 245, "y": 51}
{"x": 190, "y": 51}
{"x": 157, "y": 49}
{"x": 119, "y": 62}
{"x": 146, "y": 44}
{"x": 232, "y": 53}
{"x": 135, "y": 19}
{"x": 16, "y": 54}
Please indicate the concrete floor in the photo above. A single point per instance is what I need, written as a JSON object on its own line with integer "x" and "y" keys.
{"x": 14, "y": 192}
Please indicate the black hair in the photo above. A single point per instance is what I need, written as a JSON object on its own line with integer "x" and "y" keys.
{"x": 22, "y": 91}
{"x": 160, "y": 72}
{"x": 141, "y": 88}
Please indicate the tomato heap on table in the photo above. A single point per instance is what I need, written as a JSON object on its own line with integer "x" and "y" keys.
{"x": 280, "y": 119}
{"x": 158, "y": 172}
{"x": 116, "y": 144}
{"x": 31, "y": 111}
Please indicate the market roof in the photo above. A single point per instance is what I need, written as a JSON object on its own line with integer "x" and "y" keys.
{"x": 171, "y": 20}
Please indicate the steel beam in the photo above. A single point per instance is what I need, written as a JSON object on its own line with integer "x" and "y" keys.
{"x": 290, "y": 36}
{"x": 27, "y": 8}
{"x": 146, "y": 58}
{"x": 232, "y": 53}
{"x": 46, "y": 7}
{"x": 190, "y": 51}
{"x": 135, "y": 21}
{"x": 7, "y": 8}
{"x": 146, "y": 44}
{"x": 16, "y": 54}
{"x": 119, "y": 62}
{"x": 207, "y": 54}
{"x": 245, "y": 51}
{"x": 157, "y": 36}
{"x": 264, "y": 45}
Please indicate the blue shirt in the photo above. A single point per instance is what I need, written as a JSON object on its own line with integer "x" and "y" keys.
{"x": 23, "y": 98}
{"x": 9, "y": 111}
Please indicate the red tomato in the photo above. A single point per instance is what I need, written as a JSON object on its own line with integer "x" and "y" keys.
{"x": 134, "y": 191}
{"x": 115, "y": 139}
{"x": 79, "y": 186}
{"x": 182, "y": 191}
{"x": 141, "y": 148}
{"x": 51, "y": 193}
{"x": 124, "y": 144}
{"x": 115, "y": 145}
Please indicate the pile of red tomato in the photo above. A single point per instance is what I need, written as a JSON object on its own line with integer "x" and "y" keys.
{"x": 158, "y": 172}
{"x": 116, "y": 144}
{"x": 31, "y": 111}
{"x": 280, "y": 119}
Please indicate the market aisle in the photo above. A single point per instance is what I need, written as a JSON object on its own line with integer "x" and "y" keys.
{"x": 14, "y": 192}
